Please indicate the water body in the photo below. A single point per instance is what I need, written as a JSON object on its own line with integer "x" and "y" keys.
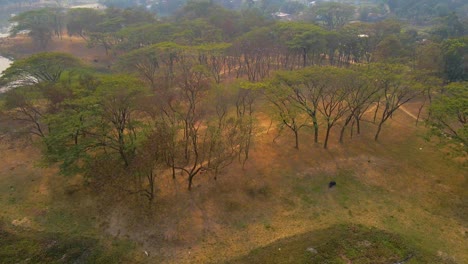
{"x": 4, "y": 62}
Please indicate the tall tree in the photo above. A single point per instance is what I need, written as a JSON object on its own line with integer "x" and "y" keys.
{"x": 41, "y": 24}
{"x": 449, "y": 114}
{"x": 397, "y": 87}
{"x": 455, "y": 59}
{"x": 286, "y": 110}
{"x": 40, "y": 67}
{"x": 334, "y": 15}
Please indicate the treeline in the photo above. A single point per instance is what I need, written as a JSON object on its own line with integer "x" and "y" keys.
{"x": 184, "y": 94}
{"x": 251, "y": 43}
{"x": 118, "y": 130}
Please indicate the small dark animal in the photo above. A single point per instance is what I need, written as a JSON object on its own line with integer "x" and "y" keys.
{"x": 331, "y": 184}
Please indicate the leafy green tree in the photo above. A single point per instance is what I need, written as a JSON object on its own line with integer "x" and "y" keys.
{"x": 334, "y": 15}
{"x": 423, "y": 11}
{"x": 100, "y": 121}
{"x": 40, "y": 89}
{"x": 360, "y": 96}
{"x": 286, "y": 109}
{"x": 41, "y": 25}
{"x": 202, "y": 141}
{"x": 255, "y": 52}
{"x": 245, "y": 108}
{"x": 429, "y": 57}
{"x": 198, "y": 31}
{"x": 40, "y": 67}
{"x": 304, "y": 39}
{"x": 154, "y": 64}
{"x": 23, "y": 107}
{"x": 449, "y": 26}
{"x": 292, "y": 7}
{"x": 455, "y": 59}
{"x": 390, "y": 48}
{"x": 332, "y": 99}
{"x": 121, "y": 3}
{"x": 83, "y": 21}
{"x": 139, "y": 36}
{"x": 213, "y": 57}
{"x": 449, "y": 114}
{"x": 102, "y": 28}
{"x": 396, "y": 88}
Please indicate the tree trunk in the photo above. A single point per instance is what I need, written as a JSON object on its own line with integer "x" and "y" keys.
{"x": 376, "y": 110}
{"x": 376, "y": 138}
{"x": 358, "y": 125}
{"x": 325, "y": 144}
{"x": 316, "y": 128}
{"x": 344, "y": 128}
{"x": 296, "y": 135}
{"x": 419, "y": 111}
{"x": 190, "y": 180}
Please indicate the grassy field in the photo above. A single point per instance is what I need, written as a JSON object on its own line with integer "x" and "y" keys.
{"x": 341, "y": 244}
{"x": 399, "y": 197}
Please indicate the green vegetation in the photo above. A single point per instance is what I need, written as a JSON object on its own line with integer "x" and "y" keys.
{"x": 37, "y": 247}
{"x": 340, "y": 244}
{"x": 254, "y": 116}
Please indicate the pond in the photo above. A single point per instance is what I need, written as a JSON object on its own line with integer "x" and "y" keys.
{"x": 4, "y": 64}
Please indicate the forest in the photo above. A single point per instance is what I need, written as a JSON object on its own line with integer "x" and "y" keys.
{"x": 190, "y": 93}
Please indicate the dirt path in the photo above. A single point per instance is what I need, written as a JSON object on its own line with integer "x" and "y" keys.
{"x": 402, "y": 108}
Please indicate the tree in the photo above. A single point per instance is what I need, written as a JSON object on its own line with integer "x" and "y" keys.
{"x": 40, "y": 67}
{"x": 332, "y": 98}
{"x": 255, "y": 52}
{"x": 306, "y": 40}
{"x": 389, "y": 48}
{"x": 360, "y": 95}
{"x": 287, "y": 110}
{"x": 449, "y": 114}
{"x": 202, "y": 141}
{"x": 303, "y": 90}
{"x": 225, "y": 134}
{"x": 149, "y": 161}
{"x": 449, "y": 27}
{"x": 455, "y": 59}
{"x": 104, "y": 31}
{"x": 25, "y": 109}
{"x": 397, "y": 87}
{"x": 213, "y": 57}
{"x": 139, "y": 36}
{"x": 245, "y": 108}
{"x": 41, "y": 85}
{"x": 333, "y": 14}
{"x": 198, "y": 31}
{"x": 429, "y": 57}
{"x": 82, "y": 21}
{"x": 42, "y": 24}
{"x": 153, "y": 64}
{"x": 96, "y": 121}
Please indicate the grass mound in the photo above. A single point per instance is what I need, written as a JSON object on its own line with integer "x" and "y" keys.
{"x": 21, "y": 246}
{"x": 340, "y": 244}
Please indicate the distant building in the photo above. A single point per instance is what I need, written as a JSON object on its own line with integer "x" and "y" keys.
{"x": 92, "y": 6}
{"x": 282, "y": 16}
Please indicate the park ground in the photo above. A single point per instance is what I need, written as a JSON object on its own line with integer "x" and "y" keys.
{"x": 402, "y": 196}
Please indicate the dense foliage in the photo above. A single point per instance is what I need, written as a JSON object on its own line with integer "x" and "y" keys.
{"x": 171, "y": 102}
